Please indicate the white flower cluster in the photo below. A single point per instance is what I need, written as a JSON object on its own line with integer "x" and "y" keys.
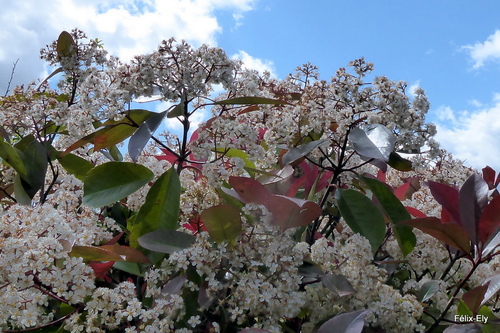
{"x": 351, "y": 256}
{"x": 256, "y": 279}
{"x": 35, "y": 264}
{"x": 176, "y": 68}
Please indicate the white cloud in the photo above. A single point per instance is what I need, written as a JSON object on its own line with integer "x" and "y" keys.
{"x": 260, "y": 65}
{"x": 486, "y": 51}
{"x": 471, "y": 136}
{"x": 413, "y": 88}
{"x": 126, "y": 27}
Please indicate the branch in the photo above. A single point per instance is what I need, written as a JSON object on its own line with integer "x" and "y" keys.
{"x": 11, "y": 77}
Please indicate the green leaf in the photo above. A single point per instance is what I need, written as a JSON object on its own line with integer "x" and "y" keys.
{"x": 161, "y": 208}
{"x": 251, "y": 100}
{"x": 128, "y": 253}
{"x": 115, "y": 153}
{"x": 362, "y": 216}
{"x": 13, "y": 157}
{"x": 428, "y": 289}
{"x": 65, "y": 44}
{"x": 399, "y": 163}
{"x": 396, "y": 212}
{"x": 113, "y": 181}
{"x": 338, "y": 284}
{"x": 35, "y": 161}
{"x": 166, "y": 241}
{"x": 20, "y": 193}
{"x": 129, "y": 267}
{"x": 76, "y": 165}
{"x": 177, "y": 111}
{"x": 113, "y": 131}
{"x": 93, "y": 253}
{"x": 223, "y": 222}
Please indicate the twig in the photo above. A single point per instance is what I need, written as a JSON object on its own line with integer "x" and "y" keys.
{"x": 11, "y": 77}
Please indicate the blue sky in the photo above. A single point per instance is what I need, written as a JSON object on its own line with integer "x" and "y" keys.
{"x": 449, "y": 48}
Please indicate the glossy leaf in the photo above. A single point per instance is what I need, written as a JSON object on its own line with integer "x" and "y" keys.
{"x": 141, "y": 137}
{"x": 489, "y": 223}
{"x": 373, "y": 141}
{"x": 492, "y": 244}
{"x": 223, "y": 223}
{"x": 428, "y": 289}
{"x": 93, "y": 253}
{"x": 166, "y": 241}
{"x": 448, "y": 233}
{"x": 352, "y": 322}
{"x": 493, "y": 284}
{"x": 250, "y": 100}
{"x": 396, "y": 212}
{"x": 161, "y": 208}
{"x": 338, "y": 284}
{"x": 298, "y": 152}
{"x": 473, "y": 198}
{"x": 75, "y": 165}
{"x": 362, "y": 216}
{"x": 113, "y": 181}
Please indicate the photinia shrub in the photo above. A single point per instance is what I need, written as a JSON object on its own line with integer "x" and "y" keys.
{"x": 296, "y": 207}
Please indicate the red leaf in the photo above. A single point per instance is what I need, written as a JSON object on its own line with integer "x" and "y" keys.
{"x": 474, "y": 298}
{"x": 489, "y": 177}
{"x": 292, "y": 212}
{"x": 250, "y": 190}
{"x": 170, "y": 157}
{"x": 450, "y": 234}
{"x": 101, "y": 269}
{"x": 400, "y": 192}
{"x": 447, "y": 196}
{"x": 415, "y": 212}
{"x": 115, "y": 239}
{"x": 128, "y": 253}
{"x": 489, "y": 224}
{"x": 472, "y": 200}
{"x": 381, "y": 176}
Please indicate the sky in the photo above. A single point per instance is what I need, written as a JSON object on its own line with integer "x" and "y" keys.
{"x": 450, "y": 48}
